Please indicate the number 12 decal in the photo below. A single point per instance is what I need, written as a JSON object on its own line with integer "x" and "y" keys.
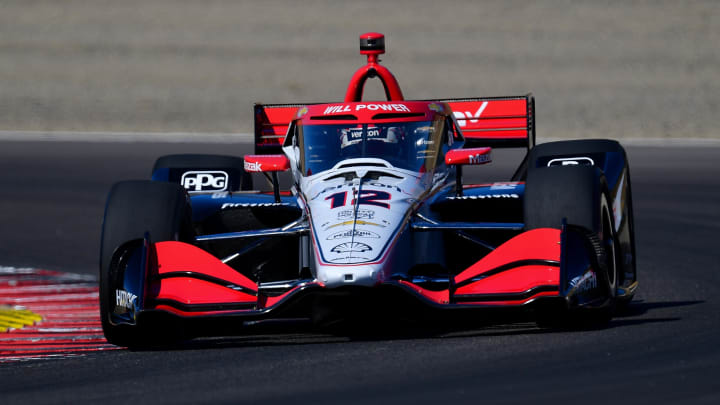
{"x": 367, "y": 197}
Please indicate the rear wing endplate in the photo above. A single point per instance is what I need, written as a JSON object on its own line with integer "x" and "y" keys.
{"x": 271, "y": 125}
{"x": 500, "y": 122}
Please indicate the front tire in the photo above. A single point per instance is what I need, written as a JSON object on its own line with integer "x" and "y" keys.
{"x": 134, "y": 209}
{"x": 579, "y": 196}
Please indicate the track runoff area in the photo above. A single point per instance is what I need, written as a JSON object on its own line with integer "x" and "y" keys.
{"x": 47, "y": 314}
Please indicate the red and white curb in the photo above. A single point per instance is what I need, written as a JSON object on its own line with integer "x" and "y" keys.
{"x": 48, "y": 314}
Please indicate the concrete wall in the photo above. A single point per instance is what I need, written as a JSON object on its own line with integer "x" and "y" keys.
{"x": 597, "y": 68}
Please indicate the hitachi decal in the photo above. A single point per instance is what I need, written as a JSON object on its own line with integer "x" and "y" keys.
{"x": 483, "y": 196}
{"x": 336, "y": 109}
{"x": 125, "y": 299}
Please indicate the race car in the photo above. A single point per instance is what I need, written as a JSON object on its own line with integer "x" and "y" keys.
{"x": 377, "y": 219}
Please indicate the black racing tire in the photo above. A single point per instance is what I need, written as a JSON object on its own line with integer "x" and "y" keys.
{"x": 540, "y": 154}
{"x": 207, "y": 162}
{"x": 577, "y": 147}
{"x": 579, "y": 195}
{"x": 133, "y": 209}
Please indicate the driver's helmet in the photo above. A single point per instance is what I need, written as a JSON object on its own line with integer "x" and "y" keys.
{"x": 394, "y": 135}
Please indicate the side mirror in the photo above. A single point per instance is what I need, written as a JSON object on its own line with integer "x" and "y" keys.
{"x": 469, "y": 156}
{"x": 268, "y": 164}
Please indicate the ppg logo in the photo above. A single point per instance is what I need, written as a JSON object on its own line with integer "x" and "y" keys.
{"x": 204, "y": 181}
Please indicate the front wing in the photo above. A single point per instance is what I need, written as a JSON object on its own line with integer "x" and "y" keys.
{"x": 535, "y": 266}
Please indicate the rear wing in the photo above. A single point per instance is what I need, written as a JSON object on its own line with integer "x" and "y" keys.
{"x": 271, "y": 125}
{"x": 500, "y": 122}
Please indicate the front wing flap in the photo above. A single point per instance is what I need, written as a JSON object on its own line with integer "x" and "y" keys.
{"x": 540, "y": 264}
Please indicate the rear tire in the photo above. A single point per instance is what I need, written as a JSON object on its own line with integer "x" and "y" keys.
{"x": 579, "y": 195}
{"x": 133, "y": 209}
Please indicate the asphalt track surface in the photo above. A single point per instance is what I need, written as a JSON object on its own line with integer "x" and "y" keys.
{"x": 662, "y": 349}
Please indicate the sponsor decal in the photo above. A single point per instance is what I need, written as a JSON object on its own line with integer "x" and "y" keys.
{"x": 483, "y": 197}
{"x": 365, "y": 197}
{"x": 373, "y": 197}
{"x": 585, "y": 282}
{"x": 617, "y": 203}
{"x": 504, "y": 186}
{"x": 358, "y": 222}
{"x": 350, "y": 258}
{"x": 325, "y": 190}
{"x": 435, "y": 107}
{"x": 572, "y": 161}
{"x": 204, "y": 181}
{"x": 302, "y": 112}
{"x": 361, "y": 214}
{"x": 376, "y": 184}
{"x": 479, "y": 158}
{"x": 463, "y": 117}
{"x": 351, "y": 247}
{"x": 353, "y": 234}
{"x": 246, "y": 205}
{"x": 220, "y": 195}
{"x": 337, "y": 109}
{"x": 337, "y": 199}
{"x": 125, "y": 299}
{"x": 253, "y": 166}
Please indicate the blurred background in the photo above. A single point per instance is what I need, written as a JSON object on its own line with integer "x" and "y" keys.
{"x": 597, "y": 68}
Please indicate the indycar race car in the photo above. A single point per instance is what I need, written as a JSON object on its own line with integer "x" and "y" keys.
{"x": 377, "y": 219}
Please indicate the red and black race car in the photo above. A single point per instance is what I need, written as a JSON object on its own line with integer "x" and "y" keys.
{"x": 377, "y": 218}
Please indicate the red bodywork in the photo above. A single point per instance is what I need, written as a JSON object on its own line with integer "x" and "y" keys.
{"x": 521, "y": 270}
{"x": 266, "y": 163}
{"x": 469, "y": 156}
